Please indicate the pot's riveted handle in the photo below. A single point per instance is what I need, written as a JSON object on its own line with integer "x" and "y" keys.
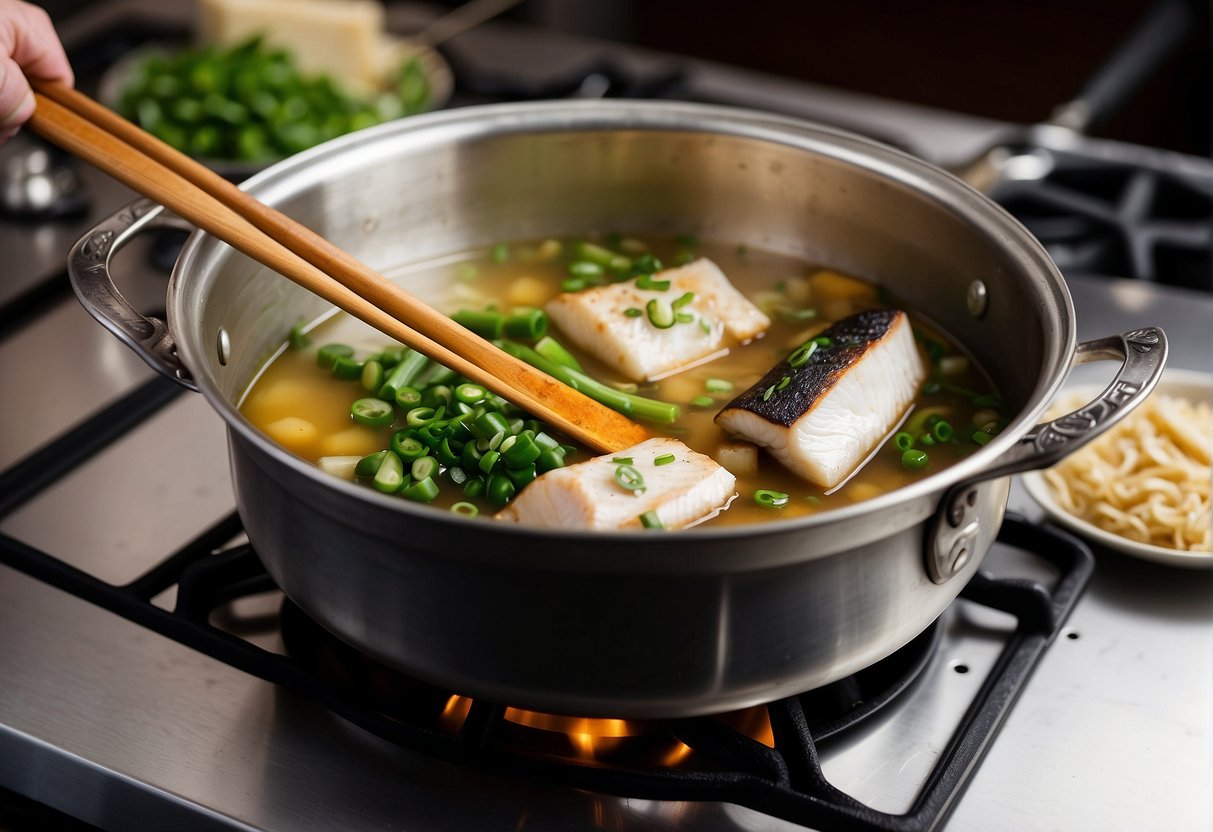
{"x": 88, "y": 267}
{"x": 1143, "y": 353}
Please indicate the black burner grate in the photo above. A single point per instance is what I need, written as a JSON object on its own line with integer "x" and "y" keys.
{"x": 785, "y": 781}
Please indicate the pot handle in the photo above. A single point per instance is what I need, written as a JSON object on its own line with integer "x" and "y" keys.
{"x": 88, "y": 268}
{"x": 1143, "y": 353}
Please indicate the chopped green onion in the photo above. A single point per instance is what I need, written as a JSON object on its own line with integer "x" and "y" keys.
{"x": 586, "y": 269}
{"x": 664, "y": 459}
{"x": 942, "y": 431}
{"x": 801, "y": 355}
{"x": 594, "y": 253}
{"x": 705, "y": 325}
{"x": 521, "y": 453}
{"x": 526, "y": 323}
{"x": 629, "y": 479}
{"x": 783, "y": 383}
{"x": 390, "y": 477}
{"x": 474, "y": 487}
{"x": 326, "y": 355}
{"x": 465, "y": 509}
{"x": 650, "y": 520}
{"x": 623, "y": 460}
{"x": 499, "y": 490}
{"x": 368, "y": 466}
{"x": 406, "y": 447}
{"x": 981, "y": 437}
{"x": 489, "y": 461}
{"x": 573, "y": 284}
{"x": 469, "y": 393}
{"x": 703, "y": 402}
{"x": 298, "y": 338}
{"x": 489, "y": 424}
{"x": 647, "y": 282}
{"x": 423, "y": 467}
{"x": 553, "y": 350}
{"x": 521, "y": 477}
{"x": 926, "y": 439}
{"x": 346, "y": 367}
{"x": 372, "y": 376}
{"x": 903, "y": 441}
{"x": 628, "y": 404}
{"x": 683, "y": 300}
{"x": 632, "y": 312}
{"x": 718, "y": 385}
{"x": 487, "y": 324}
{"x": 408, "y": 397}
{"x": 420, "y": 416}
{"x": 549, "y": 459}
{"x": 421, "y": 491}
{"x": 403, "y": 374}
{"x": 646, "y": 264}
{"x": 914, "y": 459}
{"x": 374, "y": 413}
{"x": 766, "y": 394}
{"x": 822, "y": 341}
{"x": 770, "y": 499}
{"x": 684, "y": 317}
{"x": 500, "y": 253}
{"x": 661, "y": 314}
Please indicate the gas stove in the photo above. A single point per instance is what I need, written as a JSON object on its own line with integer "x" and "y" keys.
{"x": 153, "y": 677}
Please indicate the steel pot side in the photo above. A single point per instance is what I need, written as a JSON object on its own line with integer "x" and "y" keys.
{"x": 629, "y": 624}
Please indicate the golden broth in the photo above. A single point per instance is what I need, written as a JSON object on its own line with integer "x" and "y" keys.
{"x": 305, "y": 408}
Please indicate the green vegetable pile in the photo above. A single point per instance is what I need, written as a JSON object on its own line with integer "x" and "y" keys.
{"x": 250, "y": 102}
{"x": 446, "y": 430}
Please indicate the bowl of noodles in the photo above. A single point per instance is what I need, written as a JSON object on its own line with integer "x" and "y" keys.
{"x": 1143, "y": 487}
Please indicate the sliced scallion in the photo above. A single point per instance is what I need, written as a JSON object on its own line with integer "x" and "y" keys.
{"x": 421, "y": 491}
{"x": 661, "y": 314}
{"x": 664, "y": 459}
{"x": 487, "y": 324}
{"x": 914, "y": 459}
{"x": 526, "y": 323}
{"x": 329, "y": 352}
{"x": 718, "y": 385}
{"x": 629, "y": 479}
{"x": 650, "y": 520}
{"x": 703, "y": 402}
{"x": 770, "y": 499}
{"x": 374, "y": 413}
{"x": 390, "y": 476}
{"x": 465, "y": 509}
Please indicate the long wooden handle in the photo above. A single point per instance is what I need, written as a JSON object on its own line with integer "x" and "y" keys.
{"x": 83, "y": 127}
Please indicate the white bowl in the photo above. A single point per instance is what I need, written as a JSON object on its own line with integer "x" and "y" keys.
{"x": 1189, "y": 384}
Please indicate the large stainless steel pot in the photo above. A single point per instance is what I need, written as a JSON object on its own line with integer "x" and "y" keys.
{"x": 627, "y": 624}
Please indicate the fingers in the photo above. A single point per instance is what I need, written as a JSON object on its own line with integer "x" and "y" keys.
{"x": 28, "y": 36}
{"x": 16, "y": 98}
{"x": 29, "y": 46}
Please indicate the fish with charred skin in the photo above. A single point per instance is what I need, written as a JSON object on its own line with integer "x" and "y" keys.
{"x": 824, "y": 408}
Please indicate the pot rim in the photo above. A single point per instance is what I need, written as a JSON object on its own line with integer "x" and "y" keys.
{"x": 484, "y": 121}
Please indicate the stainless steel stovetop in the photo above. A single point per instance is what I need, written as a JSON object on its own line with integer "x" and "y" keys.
{"x": 121, "y": 727}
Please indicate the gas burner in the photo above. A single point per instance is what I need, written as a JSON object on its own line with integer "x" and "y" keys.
{"x": 636, "y": 743}
{"x": 1147, "y": 217}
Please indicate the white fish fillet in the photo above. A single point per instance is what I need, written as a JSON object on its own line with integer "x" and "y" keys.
{"x": 594, "y": 319}
{"x": 586, "y": 495}
{"x": 840, "y": 404}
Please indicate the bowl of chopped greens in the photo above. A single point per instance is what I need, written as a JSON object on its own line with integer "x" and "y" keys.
{"x": 239, "y": 108}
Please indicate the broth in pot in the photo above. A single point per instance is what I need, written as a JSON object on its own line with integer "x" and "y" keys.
{"x": 303, "y": 396}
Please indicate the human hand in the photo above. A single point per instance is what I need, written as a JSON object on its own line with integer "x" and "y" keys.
{"x": 29, "y": 47}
